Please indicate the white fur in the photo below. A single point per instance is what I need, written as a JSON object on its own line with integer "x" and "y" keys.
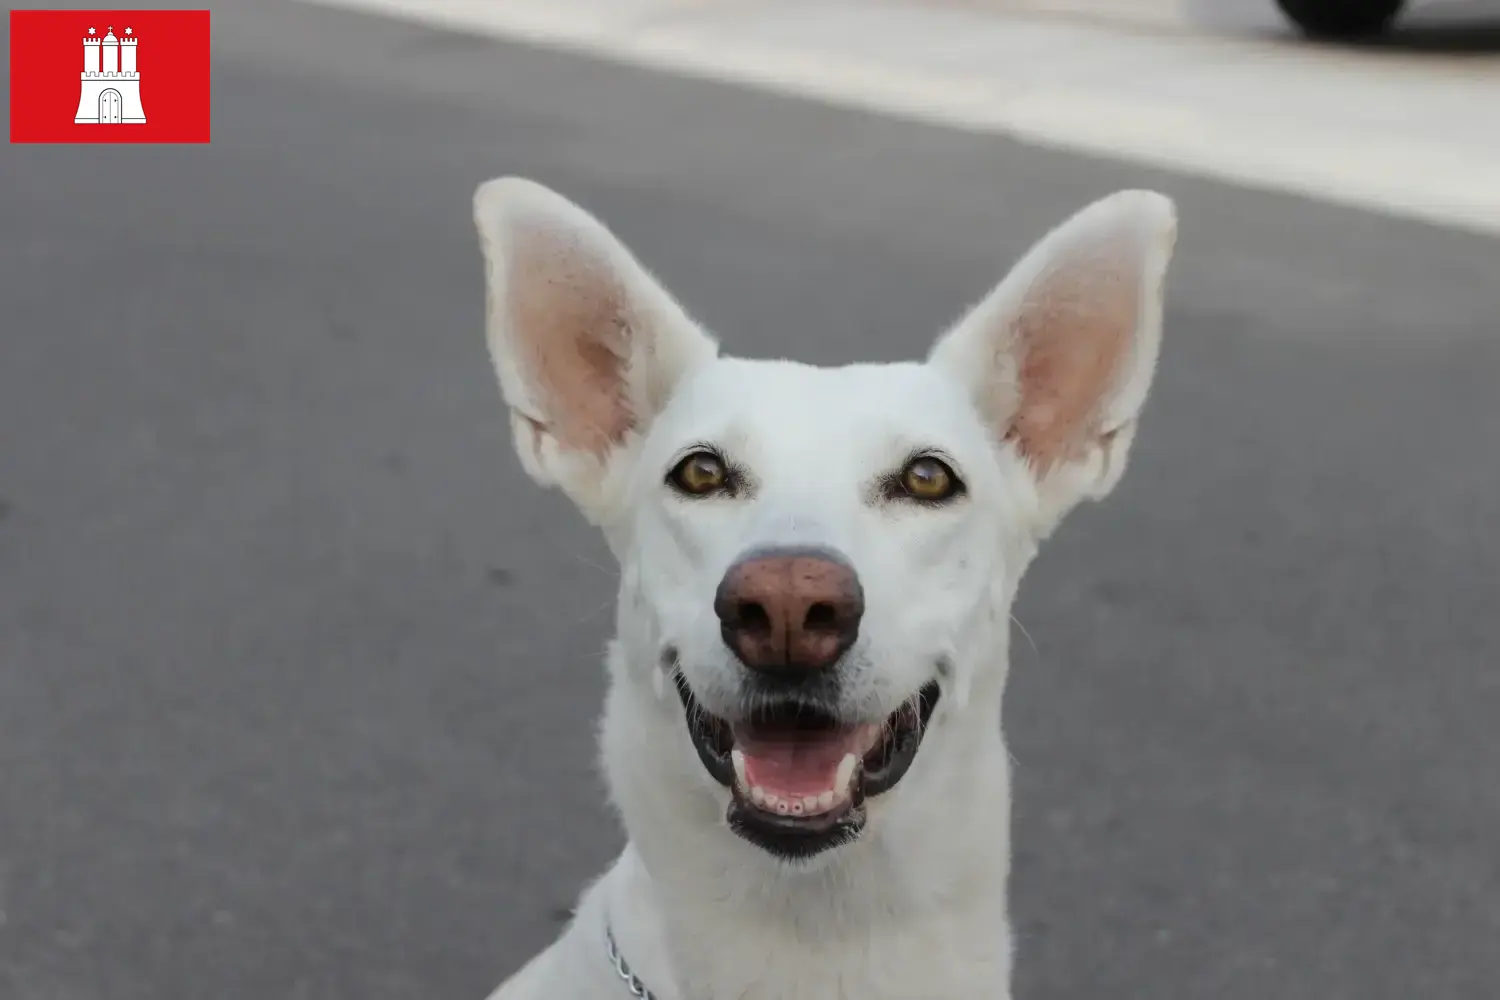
{"x": 916, "y": 908}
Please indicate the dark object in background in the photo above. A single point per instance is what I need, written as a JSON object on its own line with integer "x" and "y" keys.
{"x": 1342, "y": 19}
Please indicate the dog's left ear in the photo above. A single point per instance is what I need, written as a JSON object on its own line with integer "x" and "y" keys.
{"x": 588, "y": 347}
{"x": 1058, "y": 359}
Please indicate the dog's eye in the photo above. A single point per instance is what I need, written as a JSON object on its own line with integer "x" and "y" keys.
{"x": 699, "y": 473}
{"x": 929, "y": 480}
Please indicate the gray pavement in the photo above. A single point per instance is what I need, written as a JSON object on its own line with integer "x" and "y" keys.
{"x": 297, "y": 671}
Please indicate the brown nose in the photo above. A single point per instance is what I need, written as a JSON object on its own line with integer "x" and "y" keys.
{"x": 790, "y": 610}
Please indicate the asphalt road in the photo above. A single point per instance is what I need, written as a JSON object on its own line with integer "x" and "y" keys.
{"x": 297, "y": 672}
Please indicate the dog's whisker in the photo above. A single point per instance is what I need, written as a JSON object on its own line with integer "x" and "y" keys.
{"x": 591, "y": 564}
{"x": 1027, "y": 634}
{"x": 554, "y": 618}
{"x": 600, "y": 609}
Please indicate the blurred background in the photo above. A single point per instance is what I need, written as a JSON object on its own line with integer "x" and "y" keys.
{"x": 298, "y": 673}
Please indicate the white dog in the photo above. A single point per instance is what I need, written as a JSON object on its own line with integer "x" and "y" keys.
{"x": 817, "y": 568}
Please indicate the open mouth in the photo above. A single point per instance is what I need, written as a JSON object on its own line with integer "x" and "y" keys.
{"x": 800, "y": 776}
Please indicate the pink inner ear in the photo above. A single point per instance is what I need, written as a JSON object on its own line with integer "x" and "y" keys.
{"x": 1073, "y": 336}
{"x": 570, "y": 319}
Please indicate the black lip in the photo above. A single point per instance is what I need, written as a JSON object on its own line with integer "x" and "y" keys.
{"x": 796, "y": 838}
{"x": 902, "y": 752}
{"x": 710, "y": 735}
{"x": 799, "y": 837}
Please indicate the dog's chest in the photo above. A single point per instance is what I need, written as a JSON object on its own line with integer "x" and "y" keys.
{"x": 922, "y": 966}
{"x": 933, "y": 983}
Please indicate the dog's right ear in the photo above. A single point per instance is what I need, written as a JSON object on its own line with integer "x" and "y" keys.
{"x": 587, "y": 346}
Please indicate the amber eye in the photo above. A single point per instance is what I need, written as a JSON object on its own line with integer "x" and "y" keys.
{"x": 928, "y": 479}
{"x": 701, "y": 472}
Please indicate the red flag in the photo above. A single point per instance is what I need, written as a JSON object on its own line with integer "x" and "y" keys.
{"x": 109, "y": 76}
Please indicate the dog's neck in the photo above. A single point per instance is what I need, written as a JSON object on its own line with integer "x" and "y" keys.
{"x": 916, "y": 907}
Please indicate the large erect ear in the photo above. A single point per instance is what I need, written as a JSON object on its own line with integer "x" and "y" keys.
{"x": 587, "y": 346}
{"x": 1060, "y": 356}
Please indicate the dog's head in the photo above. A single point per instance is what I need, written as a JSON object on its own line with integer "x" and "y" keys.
{"x": 814, "y": 559}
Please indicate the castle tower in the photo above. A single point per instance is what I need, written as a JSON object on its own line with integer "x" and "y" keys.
{"x": 111, "y": 85}
{"x": 127, "y": 53}
{"x": 111, "y": 52}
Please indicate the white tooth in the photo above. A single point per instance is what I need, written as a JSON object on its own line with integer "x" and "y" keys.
{"x": 771, "y": 800}
{"x": 758, "y": 795}
{"x": 782, "y": 806}
{"x": 797, "y": 807}
{"x": 810, "y": 803}
{"x": 845, "y": 772}
{"x": 825, "y": 801}
{"x": 739, "y": 767}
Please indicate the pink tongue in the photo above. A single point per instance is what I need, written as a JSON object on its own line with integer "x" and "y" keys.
{"x": 799, "y": 764}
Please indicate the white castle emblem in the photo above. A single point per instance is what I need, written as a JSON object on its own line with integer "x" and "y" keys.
{"x": 111, "y": 93}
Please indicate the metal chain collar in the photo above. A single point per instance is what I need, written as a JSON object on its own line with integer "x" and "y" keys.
{"x": 622, "y": 968}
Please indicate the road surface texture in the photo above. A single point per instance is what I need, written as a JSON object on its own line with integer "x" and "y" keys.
{"x": 297, "y": 671}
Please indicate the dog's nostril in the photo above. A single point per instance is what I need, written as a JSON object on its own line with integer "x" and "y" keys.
{"x": 751, "y": 616}
{"x": 821, "y": 617}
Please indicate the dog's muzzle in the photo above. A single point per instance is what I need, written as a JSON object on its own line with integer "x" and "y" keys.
{"x": 799, "y": 769}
